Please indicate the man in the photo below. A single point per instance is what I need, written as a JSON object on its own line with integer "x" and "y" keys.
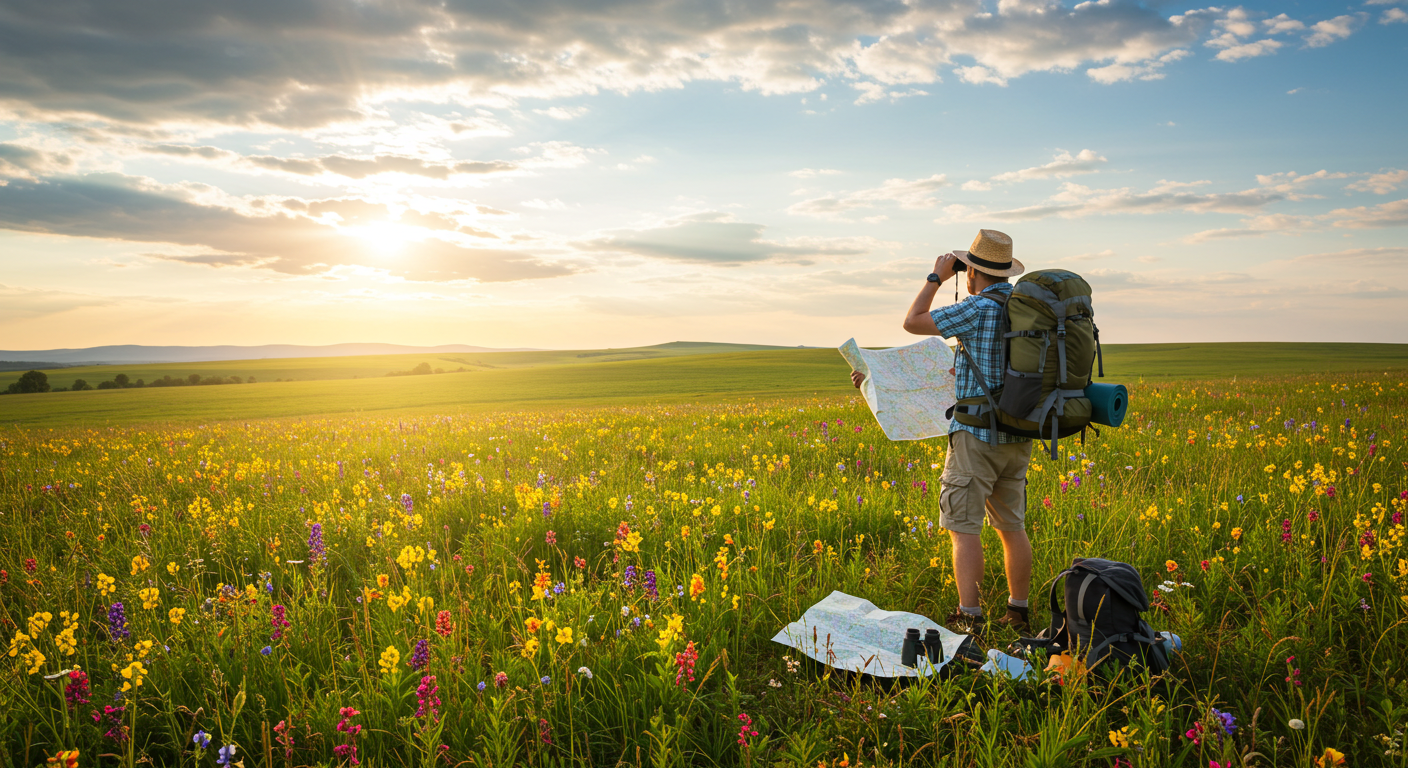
{"x": 982, "y": 477}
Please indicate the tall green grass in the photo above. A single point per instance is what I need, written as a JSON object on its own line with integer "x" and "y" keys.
{"x": 1272, "y": 506}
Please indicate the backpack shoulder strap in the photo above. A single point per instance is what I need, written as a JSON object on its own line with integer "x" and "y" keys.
{"x": 1058, "y": 614}
{"x": 987, "y": 392}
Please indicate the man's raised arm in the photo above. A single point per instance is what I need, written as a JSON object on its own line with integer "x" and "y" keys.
{"x": 919, "y": 321}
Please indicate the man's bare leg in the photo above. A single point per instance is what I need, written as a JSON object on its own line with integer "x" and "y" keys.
{"x": 1017, "y": 559}
{"x": 968, "y": 567}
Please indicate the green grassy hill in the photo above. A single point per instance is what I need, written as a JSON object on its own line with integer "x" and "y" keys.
{"x": 1229, "y": 359}
{"x": 372, "y": 366}
{"x": 669, "y": 373}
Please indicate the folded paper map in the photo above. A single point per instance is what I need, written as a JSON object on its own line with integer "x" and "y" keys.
{"x": 848, "y": 632}
{"x": 907, "y": 388}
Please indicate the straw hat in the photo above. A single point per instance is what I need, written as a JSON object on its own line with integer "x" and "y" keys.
{"x": 991, "y": 252}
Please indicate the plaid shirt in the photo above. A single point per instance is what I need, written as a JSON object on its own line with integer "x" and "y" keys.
{"x": 977, "y": 322}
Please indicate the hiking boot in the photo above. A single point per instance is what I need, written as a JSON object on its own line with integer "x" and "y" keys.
{"x": 963, "y": 623}
{"x": 1018, "y": 618}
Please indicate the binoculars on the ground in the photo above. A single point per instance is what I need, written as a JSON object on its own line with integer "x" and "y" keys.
{"x": 931, "y": 645}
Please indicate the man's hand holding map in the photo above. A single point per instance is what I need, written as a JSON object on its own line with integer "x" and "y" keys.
{"x": 909, "y": 389}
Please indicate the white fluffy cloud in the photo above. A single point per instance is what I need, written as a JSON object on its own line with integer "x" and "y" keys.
{"x": 1394, "y": 214}
{"x": 1333, "y": 30}
{"x": 1064, "y": 165}
{"x": 300, "y": 64}
{"x": 1381, "y": 183}
{"x": 906, "y": 193}
{"x": 713, "y": 237}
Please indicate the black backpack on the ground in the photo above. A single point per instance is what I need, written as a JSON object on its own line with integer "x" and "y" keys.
{"x": 1101, "y": 619}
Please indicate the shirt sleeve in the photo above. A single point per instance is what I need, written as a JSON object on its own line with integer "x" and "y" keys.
{"x": 959, "y": 319}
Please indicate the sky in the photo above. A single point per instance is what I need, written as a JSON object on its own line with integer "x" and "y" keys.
{"x": 611, "y": 173}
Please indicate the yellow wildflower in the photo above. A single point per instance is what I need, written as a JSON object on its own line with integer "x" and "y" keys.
{"x": 389, "y": 658}
{"x": 150, "y": 597}
{"x": 132, "y": 675}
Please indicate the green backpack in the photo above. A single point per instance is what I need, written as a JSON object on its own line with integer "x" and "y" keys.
{"x": 1050, "y": 348}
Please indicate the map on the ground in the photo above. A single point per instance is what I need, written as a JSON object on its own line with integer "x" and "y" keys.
{"x": 907, "y": 388}
{"x": 851, "y": 633}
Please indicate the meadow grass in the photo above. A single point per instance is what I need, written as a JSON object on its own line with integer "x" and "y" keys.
{"x": 526, "y": 587}
{"x": 376, "y": 366}
{"x": 689, "y": 373}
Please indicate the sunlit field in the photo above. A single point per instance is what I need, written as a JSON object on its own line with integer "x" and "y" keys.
{"x": 599, "y": 586}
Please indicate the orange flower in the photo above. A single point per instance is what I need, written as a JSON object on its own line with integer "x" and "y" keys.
{"x": 1170, "y": 565}
{"x": 532, "y": 624}
{"x": 1332, "y": 757}
{"x": 696, "y": 586}
{"x": 67, "y": 758}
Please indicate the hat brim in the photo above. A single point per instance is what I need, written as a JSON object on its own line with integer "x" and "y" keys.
{"x": 1016, "y": 269}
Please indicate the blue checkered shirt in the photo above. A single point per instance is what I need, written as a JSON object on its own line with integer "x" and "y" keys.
{"x": 977, "y": 322}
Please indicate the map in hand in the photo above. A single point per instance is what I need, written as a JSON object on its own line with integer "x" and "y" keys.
{"x": 907, "y": 388}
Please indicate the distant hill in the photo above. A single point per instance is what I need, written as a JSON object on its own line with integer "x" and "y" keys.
{"x": 128, "y": 354}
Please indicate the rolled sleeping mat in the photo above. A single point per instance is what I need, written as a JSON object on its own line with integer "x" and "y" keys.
{"x": 1108, "y": 403}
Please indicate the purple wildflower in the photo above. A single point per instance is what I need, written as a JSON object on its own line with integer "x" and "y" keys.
{"x": 408, "y": 502}
{"x": 650, "y": 587}
{"x": 317, "y": 553}
{"x": 629, "y": 579}
{"x": 117, "y": 622}
{"x": 420, "y": 656}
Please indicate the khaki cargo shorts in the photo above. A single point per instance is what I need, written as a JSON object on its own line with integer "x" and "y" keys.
{"x": 983, "y": 480}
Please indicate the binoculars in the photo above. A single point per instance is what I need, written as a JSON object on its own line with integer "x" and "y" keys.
{"x": 931, "y": 645}
{"x": 959, "y": 266}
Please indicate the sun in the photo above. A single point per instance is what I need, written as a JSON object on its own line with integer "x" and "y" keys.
{"x": 383, "y": 237}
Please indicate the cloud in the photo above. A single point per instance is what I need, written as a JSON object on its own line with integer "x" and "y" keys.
{"x": 980, "y": 75}
{"x": 1077, "y": 201}
{"x": 906, "y": 193}
{"x": 1394, "y": 214}
{"x": 1062, "y": 166}
{"x": 1240, "y": 51}
{"x": 1281, "y": 24}
{"x": 308, "y": 64}
{"x": 563, "y": 113}
{"x": 18, "y": 303}
{"x": 1381, "y": 183}
{"x": 1332, "y": 30}
{"x": 1395, "y": 257}
{"x": 1150, "y": 69}
{"x": 807, "y": 173}
{"x": 27, "y": 162}
{"x": 1256, "y": 226}
{"x": 1293, "y": 185}
{"x": 876, "y": 92}
{"x": 1394, "y": 16}
{"x": 714, "y": 238}
{"x": 1238, "y": 23}
{"x": 344, "y": 166}
{"x": 135, "y": 210}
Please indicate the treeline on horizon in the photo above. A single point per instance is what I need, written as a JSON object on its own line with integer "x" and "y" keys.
{"x": 38, "y": 381}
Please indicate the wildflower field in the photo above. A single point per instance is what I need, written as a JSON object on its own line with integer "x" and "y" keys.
{"x": 599, "y": 586}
